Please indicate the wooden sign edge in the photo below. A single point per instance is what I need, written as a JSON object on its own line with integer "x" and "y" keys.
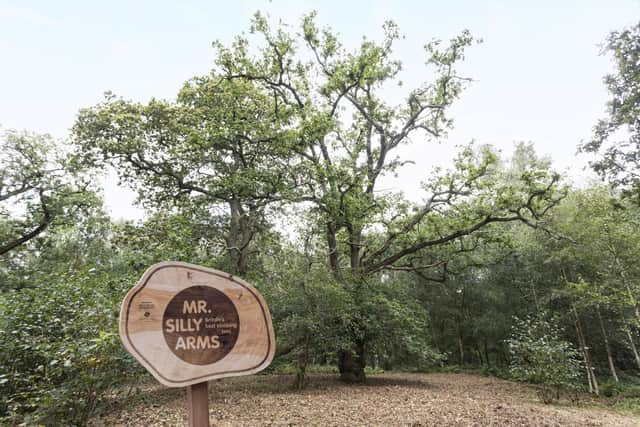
{"x": 126, "y": 341}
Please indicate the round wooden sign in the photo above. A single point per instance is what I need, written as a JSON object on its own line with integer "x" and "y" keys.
{"x": 188, "y": 324}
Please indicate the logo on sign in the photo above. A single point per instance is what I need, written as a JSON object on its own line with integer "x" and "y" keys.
{"x": 200, "y": 325}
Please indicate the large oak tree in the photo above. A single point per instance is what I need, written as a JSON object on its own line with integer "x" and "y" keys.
{"x": 349, "y": 135}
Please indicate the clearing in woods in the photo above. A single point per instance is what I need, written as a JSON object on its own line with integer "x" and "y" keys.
{"x": 388, "y": 399}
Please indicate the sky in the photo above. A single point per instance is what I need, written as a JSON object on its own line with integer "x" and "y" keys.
{"x": 537, "y": 74}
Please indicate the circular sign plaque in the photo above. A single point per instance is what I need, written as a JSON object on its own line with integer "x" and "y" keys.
{"x": 200, "y": 325}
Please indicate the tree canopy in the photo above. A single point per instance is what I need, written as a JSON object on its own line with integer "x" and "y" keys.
{"x": 38, "y": 187}
{"x": 616, "y": 138}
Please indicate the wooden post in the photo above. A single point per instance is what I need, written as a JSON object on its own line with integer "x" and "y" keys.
{"x": 198, "y": 405}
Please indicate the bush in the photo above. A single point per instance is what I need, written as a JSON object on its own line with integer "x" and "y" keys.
{"x": 59, "y": 349}
{"x": 494, "y": 371}
{"x": 316, "y": 318}
{"x": 540, "y": 356}
{"x": 610, "y": 388}
{"x": 630, "y": 392}
{"x": 304, "y": 313}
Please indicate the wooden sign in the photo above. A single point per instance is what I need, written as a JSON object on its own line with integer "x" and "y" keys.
{"x": 189, "y": 324}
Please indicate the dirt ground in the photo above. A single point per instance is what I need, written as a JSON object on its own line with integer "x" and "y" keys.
{"x": 386, "y": 400}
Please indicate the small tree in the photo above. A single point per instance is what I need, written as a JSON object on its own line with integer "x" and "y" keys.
{"x": 540, "y": 356}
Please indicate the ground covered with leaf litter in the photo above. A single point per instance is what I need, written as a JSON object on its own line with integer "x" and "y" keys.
{"x": 386, "y": 400}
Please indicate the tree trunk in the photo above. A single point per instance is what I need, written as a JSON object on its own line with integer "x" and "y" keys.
{"x": 461, "y": 348}
{"x": 584, "y": 356}
{"x": 351, "y": 364}
{"x": 606, "y": 345}
{"x": 535, "y": 296}
{"x": 303, "y": 360}
{"x": 434, "y": 335}
{"x": 486, "y": 353}
{"x": 479, "y": 354}
{"x": 237, "y": 239}
{"x": 459, "y": 318}
{"x": 591, "y": 375}
{"x": 332, "y": 244}
{"x": 502, "y": 355}
{"x": 633, "y": 347}
{"x": 355, "y": 238}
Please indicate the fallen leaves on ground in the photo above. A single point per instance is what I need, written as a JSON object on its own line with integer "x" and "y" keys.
{"x": 388, "y": 400}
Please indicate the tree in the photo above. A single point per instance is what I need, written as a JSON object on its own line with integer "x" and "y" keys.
{"x": 220, "y": 149}
{"x": 617, "y": 137}
{"x": 348, "y": 134}
{"x": 38, "y": 187}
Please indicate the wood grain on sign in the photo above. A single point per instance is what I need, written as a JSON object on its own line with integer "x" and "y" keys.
{"x": 187, "y": 324}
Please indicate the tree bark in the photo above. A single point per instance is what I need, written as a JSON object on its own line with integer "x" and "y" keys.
{"x": 351, "y": 363}
{"x": 479, "y": 354}
{"x": 606, "y": 345}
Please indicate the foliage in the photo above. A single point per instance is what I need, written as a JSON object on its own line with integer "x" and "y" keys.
{"x": 348, "y": 135}
{"x": 610, "y": 388}
{"x": 394, "y": 324}
{"x": 221, "y": 149}
{"x": 168, "y": 236}
{"x": 306, "y": 311}
{"x": 540, "y": 355}
{"x": 617, "y": 137}
{"x": 315, "y": 316}
{"x": 60, "y": 352}
{"x": 38, "y": 188}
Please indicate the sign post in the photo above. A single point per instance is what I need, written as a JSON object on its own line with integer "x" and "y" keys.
{"x": 198, "y": 404}
{"x": 188, "y": 324}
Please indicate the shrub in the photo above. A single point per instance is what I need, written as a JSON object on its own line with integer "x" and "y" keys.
{"x": 540, "y": 356}
{"x": 59, "y": 349}
{"x": 610, "y": 388}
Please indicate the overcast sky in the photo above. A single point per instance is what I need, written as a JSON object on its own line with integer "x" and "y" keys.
{"x": 538, "y": 74}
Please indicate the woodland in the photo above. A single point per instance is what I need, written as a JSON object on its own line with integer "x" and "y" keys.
{"x": 270, "y": 168}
